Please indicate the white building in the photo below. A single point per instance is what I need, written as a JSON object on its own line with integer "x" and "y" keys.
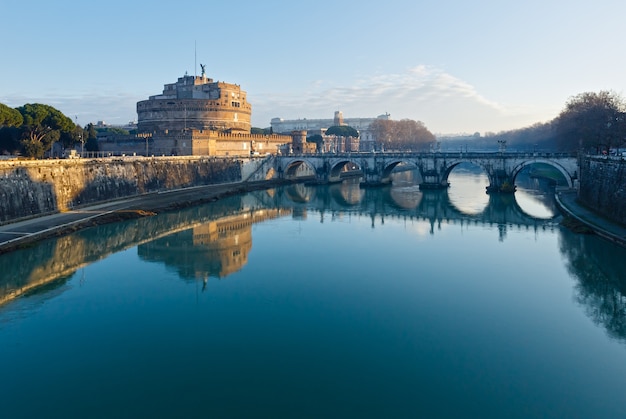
{"x": 319, "y": 126}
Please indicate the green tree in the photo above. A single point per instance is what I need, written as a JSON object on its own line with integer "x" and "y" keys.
{"x": 91, "y": 132}
{"x": 92, "y": 144}
{"x": 593, "y": 122}
{"x": 10, "y": 117}
{"x": 9, "y": 140}
{"x": 113, "y": 130}
{"x": 42, "y": 126}
{"x": 71, "y": 138}
{"x": 317, "y": 139}
{"x": 260, "y": 131}
{"x": 342, "y": 131}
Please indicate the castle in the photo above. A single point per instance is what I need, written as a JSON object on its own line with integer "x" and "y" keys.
{"x": 195, "y": 116}
{"x": 198, "y": 116}
{"x": 198, "y": 103}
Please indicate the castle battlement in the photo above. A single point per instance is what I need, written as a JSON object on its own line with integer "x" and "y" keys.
{"x": 195, "y": 102}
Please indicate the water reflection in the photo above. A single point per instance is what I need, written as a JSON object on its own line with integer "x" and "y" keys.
{"x": 468, "y": 184}
{"x": 213, "y": 249}
{"x": 535, "y": 195}
{"x": 219, "y": 234}
{"x": 601, "y": 273}
{"x": 215, "y": 240}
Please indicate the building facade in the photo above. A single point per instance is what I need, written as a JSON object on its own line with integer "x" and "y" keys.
{"x": 367, "y": 139}
{"x": 193, "y": 142}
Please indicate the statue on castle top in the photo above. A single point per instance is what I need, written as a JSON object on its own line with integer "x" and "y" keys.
{"x": 203, "y": 66}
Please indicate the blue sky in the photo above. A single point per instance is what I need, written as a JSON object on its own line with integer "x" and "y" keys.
{"x": 458, "y": 66}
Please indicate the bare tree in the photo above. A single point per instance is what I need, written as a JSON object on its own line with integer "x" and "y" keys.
{"x": 403, "y": 135}
{"x": 593, "y": 122}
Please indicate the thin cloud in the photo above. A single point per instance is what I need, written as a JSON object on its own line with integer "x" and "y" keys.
{"x": 423, "y": 93}
{"x": 442, "y": 101}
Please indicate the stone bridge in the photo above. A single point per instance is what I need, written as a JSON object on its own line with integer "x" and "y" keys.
{"x": 434, "y": 167}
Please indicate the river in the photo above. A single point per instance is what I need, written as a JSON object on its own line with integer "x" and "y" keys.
{"x": 321, "y": 301}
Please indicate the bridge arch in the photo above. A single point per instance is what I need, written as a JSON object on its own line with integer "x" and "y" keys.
{"x": 454, "y": 163}
{"x": 298, "y": 168}
{"x": 337, "y": 167}
{"x": 569, "y": 177}
{"x": 391, "y": 166}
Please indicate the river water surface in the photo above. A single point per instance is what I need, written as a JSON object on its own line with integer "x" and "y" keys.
{"x": 321, "y": 302}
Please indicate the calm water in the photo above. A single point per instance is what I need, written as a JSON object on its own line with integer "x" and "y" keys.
{"x": 321, "y": 302}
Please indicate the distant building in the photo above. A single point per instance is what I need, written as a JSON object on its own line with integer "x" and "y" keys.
{"x": 367, "y": 139}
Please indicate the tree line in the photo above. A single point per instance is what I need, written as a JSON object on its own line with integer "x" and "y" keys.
{"x": 32, "y": 129}
{"x": 590, "y": 122}
{"x": 403, "y": 135}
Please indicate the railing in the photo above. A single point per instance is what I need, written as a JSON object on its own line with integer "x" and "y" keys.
{"x": 437, "y": 154}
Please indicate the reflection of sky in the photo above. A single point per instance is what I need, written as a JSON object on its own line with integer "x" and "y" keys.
{"x": 531, "y": 205}
{"x": 467, "y": 191}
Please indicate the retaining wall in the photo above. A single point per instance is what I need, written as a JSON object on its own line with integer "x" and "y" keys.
{"x": 603, "y": 186}
{"x": 38, "y": 187}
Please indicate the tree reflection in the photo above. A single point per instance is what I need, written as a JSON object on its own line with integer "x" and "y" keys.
{"x": 601, "y": 287}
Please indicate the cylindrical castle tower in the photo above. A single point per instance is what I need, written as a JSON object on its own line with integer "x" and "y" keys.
{"x": 196, "y": 103}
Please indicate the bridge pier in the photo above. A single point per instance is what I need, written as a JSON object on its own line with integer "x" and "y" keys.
{"x": 433, "y": 180}
{"x": 500, "y": 182}
{"x": 433, "y": 173}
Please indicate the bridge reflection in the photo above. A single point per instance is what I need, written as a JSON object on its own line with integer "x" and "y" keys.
{"x": 410, "y": 203}
{"x": 219, "y": 236}
{"x": 214, "y": 240}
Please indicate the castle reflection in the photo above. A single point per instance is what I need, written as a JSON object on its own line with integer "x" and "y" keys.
{"x": 213, "y": 249}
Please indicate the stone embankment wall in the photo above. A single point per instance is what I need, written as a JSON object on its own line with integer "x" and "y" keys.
{"x": 32, "y": 188}
{"x": 603, "y": 186}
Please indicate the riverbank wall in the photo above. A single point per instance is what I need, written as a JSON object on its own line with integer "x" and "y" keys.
{"x": 603, "y": 187}
{"x": 40, "y": 187}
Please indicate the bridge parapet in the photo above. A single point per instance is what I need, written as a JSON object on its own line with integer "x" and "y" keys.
{"x": 501, "y": 167}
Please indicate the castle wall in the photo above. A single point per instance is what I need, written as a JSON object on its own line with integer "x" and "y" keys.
{"x": 38, "y": 187}
{"x": 195, "y": 103}
{"x": 195, "y": 143}
{"x": 603, "y": 186}
{"x": 181, "y": 114}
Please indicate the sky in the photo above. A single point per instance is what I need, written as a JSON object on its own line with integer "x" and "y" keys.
{"x": 457, "y": 66}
